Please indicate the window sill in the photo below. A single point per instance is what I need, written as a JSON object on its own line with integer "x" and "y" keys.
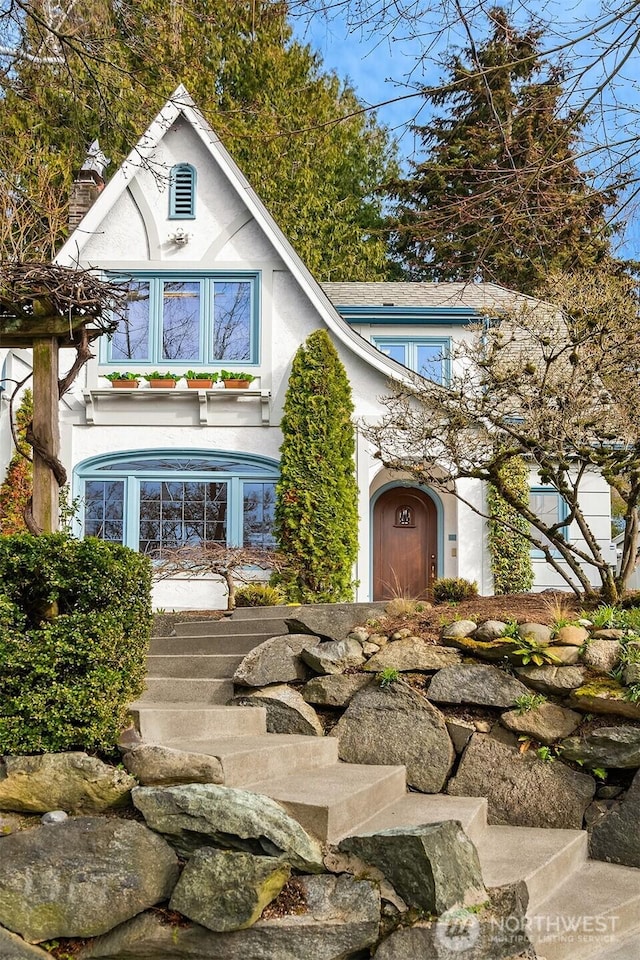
{"x": 205, "y": 399}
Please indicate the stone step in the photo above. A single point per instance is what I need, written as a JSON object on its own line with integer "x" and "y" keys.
{"x": 290, "y": 610}
{"x": 330, "y": 802}
{"x": 246, "y": 759}
{"x": 188, "y": 690}
{"x": 163, "y": 722}
{"x": 272, "y": 626}
{"x": 417, "y": 808}
{"x": 595, "y": 909}
{"x": 189, "y": 665}
{"x": 543, "y": 858}
{"x": 236, "y": 643}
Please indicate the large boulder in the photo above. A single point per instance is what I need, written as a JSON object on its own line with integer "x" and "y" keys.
{"x": 74, "y": 782}
{"x": 476, "y": 684}
{"x": 496, "y": 933}
{"x": 287, "y": 710}
{"x": 15, "y": 948}
{"x": 336, "y": 656}
{"x": 602, "y": 655}
{"x": 604, "y": 695}
{"x": 554, "y": 681}
{"x": 606, "y": 747}
{"x": 396, "y": 725}
{"x": 546, "y": 723}
{"x": 521, "y": 789}
{"x": 337, "y": 918}
{"x": 335, "y": 690}
{"x": 81, "y": 877}
{"x": 499, "y": 650}
{"x": 277, "y": 660}
{"x": 154, "y": 765}
{"x": 572, "y": 635}
{"x": 490, "y": 630}
{"x": 332, "y": 621}
{"x": 616, "y": 838}
{"x": 413, "y": 653}
{"x": 224, "y": 890}
{"x": 202, "y": 814}
{"x": 434, "y": 867}
{"x": 459, "y": 628}
{"x": 539, "y": 633}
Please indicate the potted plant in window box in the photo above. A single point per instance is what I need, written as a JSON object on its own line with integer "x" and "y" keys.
{"x": 123, "y": 381}
{"x": 236, "y": 379}
{"x": 162, "y": 380}
{"x": 200, "y": 381}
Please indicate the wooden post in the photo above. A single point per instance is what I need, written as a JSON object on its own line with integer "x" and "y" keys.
{"x": 45, "y": 428}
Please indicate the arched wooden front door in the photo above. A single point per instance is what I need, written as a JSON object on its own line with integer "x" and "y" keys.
{"x": 405, "y": 537}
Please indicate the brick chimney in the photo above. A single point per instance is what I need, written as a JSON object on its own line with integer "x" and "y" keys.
{"x": 88, "y": 185}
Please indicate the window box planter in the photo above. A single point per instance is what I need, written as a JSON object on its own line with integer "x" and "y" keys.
{"x": 236, "y": 380}
{"x": 162, "y": 384}
{"x": 162, "y": 381}
{"x": 200, "y": 381}
{"x": 123, "y": 381}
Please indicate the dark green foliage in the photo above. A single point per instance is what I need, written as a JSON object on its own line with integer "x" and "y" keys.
{"x": 454, "y": 588}
{"x": 508, "y": 545}
{"x": 317, "y": 495}
{"x": 297, "y": 132}
{"x": 75, "y": 618}
{"x": 499, "y": 196}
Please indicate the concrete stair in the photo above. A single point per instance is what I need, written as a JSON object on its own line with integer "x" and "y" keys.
{"x": 578, "y": 909}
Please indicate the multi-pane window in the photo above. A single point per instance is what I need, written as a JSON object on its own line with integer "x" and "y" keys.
{"x": 160, "y": 502}
{"x": 549, "y": 506}
{"x": 428, "y": 356}
{"x": 194, "y": 320}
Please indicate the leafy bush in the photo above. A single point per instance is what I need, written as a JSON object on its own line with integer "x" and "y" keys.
{"x": 259, "y": 595}
{"x": 454, "y": 589}
{"x": 75, "y": 618}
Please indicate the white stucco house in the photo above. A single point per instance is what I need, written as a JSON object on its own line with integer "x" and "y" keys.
{"x": 215, "y": 284}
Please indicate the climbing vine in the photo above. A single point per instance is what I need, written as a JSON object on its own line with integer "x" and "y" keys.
{"x": 15, "y": 490}
{"x": 317, "y": 495}
{"x": 508, "y": 544}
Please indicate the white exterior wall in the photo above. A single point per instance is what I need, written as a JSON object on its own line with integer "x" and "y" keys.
{"x": 135, "y": 233}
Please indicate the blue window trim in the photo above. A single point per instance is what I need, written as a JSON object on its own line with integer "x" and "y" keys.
{"x": 177, "y": 170}
{"x": 208, "y": 278}
{"x": 563, "y": 512}
{"x": 434, "y": 316}
{"x": 258, "y": 469}
{"x": 412, "y": 343}
{"x": 439, "y": 519}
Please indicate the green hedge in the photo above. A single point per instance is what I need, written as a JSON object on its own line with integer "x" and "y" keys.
{"x": 75, "y": 618}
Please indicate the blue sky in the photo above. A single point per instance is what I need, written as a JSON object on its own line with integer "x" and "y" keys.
{"x": 381, "y": 65}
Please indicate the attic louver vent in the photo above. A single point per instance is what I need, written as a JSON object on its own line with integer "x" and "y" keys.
{"x": 182, "y": 193}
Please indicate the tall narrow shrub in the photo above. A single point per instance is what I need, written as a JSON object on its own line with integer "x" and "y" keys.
{"x": 317, "y": 496}
{"x": 508, "y": 546}
{"x": 17, "y": 486}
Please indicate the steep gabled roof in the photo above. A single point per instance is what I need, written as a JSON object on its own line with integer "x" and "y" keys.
{"x": 181, "y": 104}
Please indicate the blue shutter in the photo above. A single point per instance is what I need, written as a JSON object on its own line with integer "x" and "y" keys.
{"x": 182, "y": 192}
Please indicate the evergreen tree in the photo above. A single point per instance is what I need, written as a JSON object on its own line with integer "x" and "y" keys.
{"x": 500, "y": 196}
{"x": 17, "y": 487}
{"x": 293, "y": 128}
{"x": 317, "y": 495}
